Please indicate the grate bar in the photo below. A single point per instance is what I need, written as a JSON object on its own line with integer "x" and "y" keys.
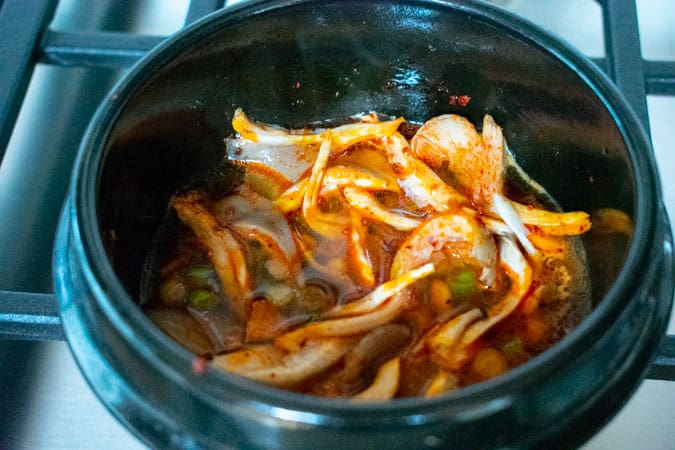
{"x": 29, "y": 316}
{"x": 624, "y": 55}
{"x": 200, "y": 8}
{"x": 23, "y": 20}
{"x": 95, "y": 49}
{"x": 660, "y": 76}
{"x": 663, "y": 366}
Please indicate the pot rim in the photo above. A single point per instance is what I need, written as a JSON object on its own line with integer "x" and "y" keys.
{"x": 177, "y": 362}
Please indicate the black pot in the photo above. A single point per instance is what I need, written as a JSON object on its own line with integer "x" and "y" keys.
{"x": 293, "y": 63}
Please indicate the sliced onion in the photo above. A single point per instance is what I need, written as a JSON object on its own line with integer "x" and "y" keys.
{"x": 554, "y": 223}
{"x": 521, "y": 274}
{"x": 345, "y": 326}
{"x": 182, "y": 328}
{"x": 334, "y": 180}
{"x": 312, "y": 358}
{"x": 373, "y": 349}
{"x": 344, "y": 136}
{"x": 443, "y": 382}
{"x": 329, "y": 225}
{"x": 265, "y": 180}
{"x": 290, "y": 160}
{"x": 443, "y": 342}
{"x": 291, "y": 199}
{"x": 357, "y": 252}
{"x": 456, "y": 232}
{"x": 254, "y": 217}
{"x": 518, "y": 267}
{"x": 509, "y": 215}
{"x": 310, "y": 208}
{"x": 338, "y": 177}
{"x": 371, "y": 209}
{"x": 385, "y": 385}
{"x": 224, "y": 250}
{"x": 419, "y": 182}
{"x": 225, "y": 331}
{"x": 253, "y": 357}
{"x": 381, "y": 293}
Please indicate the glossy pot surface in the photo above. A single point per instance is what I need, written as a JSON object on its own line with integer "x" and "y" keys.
{"x": 294, "y": 63}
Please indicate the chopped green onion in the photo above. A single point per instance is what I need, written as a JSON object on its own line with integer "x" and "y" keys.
{"x": 201, "y": 299}
{"x": 200, "y": 273}
{"x": 514, "y": 350}
{"x": 464, "y": 284}
{"x": 465, "y": 277}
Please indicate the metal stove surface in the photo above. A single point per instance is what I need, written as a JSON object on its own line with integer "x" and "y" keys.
{"x": 44, "y": 401}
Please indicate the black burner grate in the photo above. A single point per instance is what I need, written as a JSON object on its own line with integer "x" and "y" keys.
{"x": 28, "y": 41}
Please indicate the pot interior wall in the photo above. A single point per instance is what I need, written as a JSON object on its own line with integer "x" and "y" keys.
{"x": 313, "y": 63}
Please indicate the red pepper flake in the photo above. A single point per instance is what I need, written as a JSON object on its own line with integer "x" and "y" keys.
{"x": 461, "y": 100}
{"x": 199, "y": 365}
{"x": 397, "y": 168}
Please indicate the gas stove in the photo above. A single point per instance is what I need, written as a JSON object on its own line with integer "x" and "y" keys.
{"x": 59, "y": 58}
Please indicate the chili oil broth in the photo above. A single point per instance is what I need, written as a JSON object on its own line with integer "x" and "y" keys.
{"x": 186, "y": 300}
